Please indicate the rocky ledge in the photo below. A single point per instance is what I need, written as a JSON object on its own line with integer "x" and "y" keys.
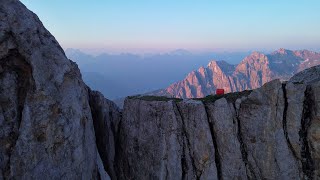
{"x": 270, "y": 133}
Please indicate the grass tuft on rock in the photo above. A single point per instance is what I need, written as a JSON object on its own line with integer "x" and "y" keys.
{"x": 231, "y": 97}
{"x": 154, "y": 98}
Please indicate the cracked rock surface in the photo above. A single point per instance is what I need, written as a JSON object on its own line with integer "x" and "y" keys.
{"x": 273, "y": 133}
{"x": 46, "y": 126}
{"x": 52, "y": 126}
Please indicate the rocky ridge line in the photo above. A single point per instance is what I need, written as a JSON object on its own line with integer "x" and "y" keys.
{"x": 251, "y": 73}
{"x": 52, "y": 126}
{"x": 272, "y": 133}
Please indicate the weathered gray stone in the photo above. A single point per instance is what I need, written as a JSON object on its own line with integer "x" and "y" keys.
{"x": 46, "y": 127}
{"x": 261, "y": 118}
{"x": 151, "y": 142}
{"x": 295, "y": 94}
{"x": 270, "y": 134}
{"x": 224, "y": 124}
{"x": 53, "y": 127}
{"x": 106, "y": 117}
{"x": 162, "y": 139}
{"x": 199, "y": 140}
{"x": 307, "y": 76}
{"x": 314, "y": 131}
{"x": 102, "y": 174}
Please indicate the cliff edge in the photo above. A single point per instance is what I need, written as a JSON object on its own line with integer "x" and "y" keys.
{"x": 52, "y": 126}
{"x": 46, "y": 126}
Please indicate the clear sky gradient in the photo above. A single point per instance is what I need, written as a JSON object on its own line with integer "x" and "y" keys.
{"x": 189, "y": 24}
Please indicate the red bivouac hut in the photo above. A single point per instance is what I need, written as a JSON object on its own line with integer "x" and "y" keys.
{"x": 220, "y": 92}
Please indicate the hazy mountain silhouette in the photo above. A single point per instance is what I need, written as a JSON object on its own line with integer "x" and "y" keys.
{"x": 127, "y": 74}
{"x": 252, "y": 72}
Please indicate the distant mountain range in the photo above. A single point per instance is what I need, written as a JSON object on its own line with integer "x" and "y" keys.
{"x": 252, "y": 72}
{"x": 120, "y": 75}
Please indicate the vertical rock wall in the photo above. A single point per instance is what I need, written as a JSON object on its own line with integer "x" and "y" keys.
{"x": 270, "y": 134}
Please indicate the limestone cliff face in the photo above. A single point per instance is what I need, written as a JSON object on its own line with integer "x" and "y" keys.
{"x": 46, "y": 126}
{"x": 52, "y": 126}
{"x": 251, "y": 73}
{"x": 273, "y": 133}
{"x": 161, "y": 140}
{"x": 106, "y": 118}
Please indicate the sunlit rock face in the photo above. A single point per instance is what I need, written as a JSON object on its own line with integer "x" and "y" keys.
{"x": 251, "y": 73}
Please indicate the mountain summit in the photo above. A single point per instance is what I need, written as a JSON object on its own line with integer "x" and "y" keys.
{"x": 252, "y": 72}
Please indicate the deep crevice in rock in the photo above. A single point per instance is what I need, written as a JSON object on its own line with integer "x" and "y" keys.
{"x": 195, "y": 170}
{"x": 243, "y": 147}
{"x": 184, "y": 165}
{"x": 307, "y": 161}
{"x": 14, "y": 63}
{"x": 101, "y": 129}
{"x": 118, "y": 150}
{"x": 214, "y": 141}
{"x": 284, "y": 120}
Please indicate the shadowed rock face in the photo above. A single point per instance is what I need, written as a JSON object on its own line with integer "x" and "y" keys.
{"x": 106, "y": 118}
{"x": 46, "y": 127}
{"x": 15, "y": 80}
{"x": 52, "y": 126}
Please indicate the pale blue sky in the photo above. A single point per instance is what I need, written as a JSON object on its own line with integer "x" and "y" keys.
{"x": 189, "y": 24}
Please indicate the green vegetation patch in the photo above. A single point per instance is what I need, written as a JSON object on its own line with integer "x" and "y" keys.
{"x": 231, "y": 97}
{"x": 154, "y": 98}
